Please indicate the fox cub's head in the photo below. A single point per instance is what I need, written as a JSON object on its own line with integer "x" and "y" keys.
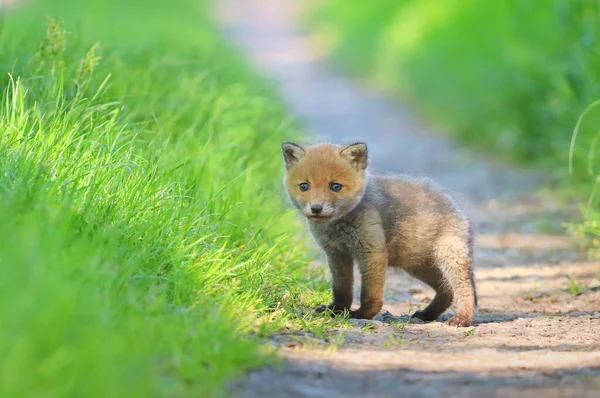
{"x": 325, "y": 181}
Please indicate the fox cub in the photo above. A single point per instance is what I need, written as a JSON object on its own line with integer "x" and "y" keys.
{"x": 381, "y": 221}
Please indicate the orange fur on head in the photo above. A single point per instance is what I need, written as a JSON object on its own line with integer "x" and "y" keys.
{"x": 320, "y": 166}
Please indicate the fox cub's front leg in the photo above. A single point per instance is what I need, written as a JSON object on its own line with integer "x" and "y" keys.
{"x": 341, "y": 267}
{"x": 372, "y": 257}
{"x": 372, "y": 264}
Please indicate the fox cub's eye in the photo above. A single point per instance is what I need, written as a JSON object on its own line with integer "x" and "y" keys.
{"x": 335, "y": 187}
{"x": 304, "y": 186}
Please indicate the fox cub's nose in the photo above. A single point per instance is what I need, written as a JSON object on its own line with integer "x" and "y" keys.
{"x": 316, "y": 208}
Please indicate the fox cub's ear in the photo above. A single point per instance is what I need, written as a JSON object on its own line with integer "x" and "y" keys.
{"x": 357, "y": 154}
{"x": 292, "y": 153}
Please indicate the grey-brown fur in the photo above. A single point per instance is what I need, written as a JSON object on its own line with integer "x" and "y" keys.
{"x": 404, "y": 223}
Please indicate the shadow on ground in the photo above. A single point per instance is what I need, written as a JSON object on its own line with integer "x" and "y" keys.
{"x": 308, "y": 380}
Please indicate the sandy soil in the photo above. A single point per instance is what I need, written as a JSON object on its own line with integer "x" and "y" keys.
{"x": 537, "y": 336}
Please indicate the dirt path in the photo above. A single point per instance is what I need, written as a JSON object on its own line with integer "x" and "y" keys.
{"x": 536, "y": 336}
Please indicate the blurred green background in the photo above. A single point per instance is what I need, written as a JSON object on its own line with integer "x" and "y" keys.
{"x": 509, "y": 78}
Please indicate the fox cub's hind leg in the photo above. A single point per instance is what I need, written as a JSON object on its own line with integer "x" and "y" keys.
{"x": 432, "y": 276}
{"x": 341, "y": 267}
{"x": 455, "y": 260}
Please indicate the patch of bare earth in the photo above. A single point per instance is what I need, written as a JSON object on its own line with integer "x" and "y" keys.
{"x": 538, "y": 331}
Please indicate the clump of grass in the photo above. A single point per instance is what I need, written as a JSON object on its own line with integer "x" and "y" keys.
{"x": 575, "y": 288}
{"x": 469, "y": 332}
{"x": 399, "y": 325}
{"x": 393, "y": 341}
{"x": 588, "y": 231}
{"x": 142, "y": 239}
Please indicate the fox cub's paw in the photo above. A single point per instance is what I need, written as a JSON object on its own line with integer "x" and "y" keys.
{"x": 320, "y": 308}
{"x": 323, "y": 308}
{"x": 424, "y": 316}
{"x": 460, "y": 321}
{"x": 363, "y": 313}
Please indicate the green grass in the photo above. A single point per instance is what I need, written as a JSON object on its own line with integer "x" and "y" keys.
{"x": 588, "y": 231}
{"x": 575, "y": 288}
{"x": 144, "y": 244}
{"x": 469, "y": 332}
